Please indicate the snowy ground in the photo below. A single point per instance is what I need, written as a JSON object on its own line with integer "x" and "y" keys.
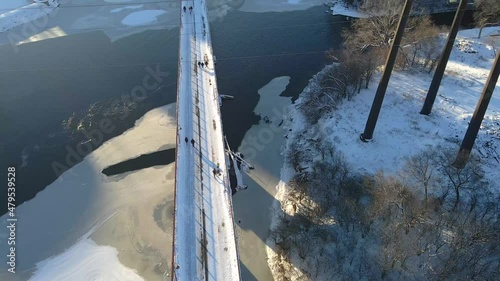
{"x": 142, "y": 17}
{"x": 93, "y": 257}
{"x": 88, "y": 226}
{"x": 401, "y": 131}
{"x": 338, "y": 7}
{"x": 261, "y": 147}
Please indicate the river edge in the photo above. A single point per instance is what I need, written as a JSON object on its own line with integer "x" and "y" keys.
{"x": 339, "y": 130}
{"x": 261, "y": 147}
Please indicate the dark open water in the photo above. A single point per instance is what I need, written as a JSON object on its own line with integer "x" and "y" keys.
{"x": 47, "y": 82}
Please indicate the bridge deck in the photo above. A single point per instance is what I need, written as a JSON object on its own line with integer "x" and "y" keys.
{"x": 204, "y": 236}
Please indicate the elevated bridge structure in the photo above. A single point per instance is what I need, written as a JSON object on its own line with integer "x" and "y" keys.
{"x": 205, "y": 245}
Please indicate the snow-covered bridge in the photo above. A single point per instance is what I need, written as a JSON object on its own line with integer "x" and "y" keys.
{"x": 204, "y": 235}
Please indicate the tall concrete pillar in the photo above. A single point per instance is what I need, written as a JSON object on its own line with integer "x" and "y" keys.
{"x": 367, "y": 135}
{"x": 477, "y": 118}
{"x": 438, "y": 74}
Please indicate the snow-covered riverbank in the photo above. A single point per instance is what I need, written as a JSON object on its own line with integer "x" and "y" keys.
{"x": 401, "y": 133}
{"x": 340, "y": 8}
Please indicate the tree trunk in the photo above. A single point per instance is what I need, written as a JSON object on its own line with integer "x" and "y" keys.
{"x": 457, "y": 197}
{"x": 425, "y": 187}
{"x": 480, "y": 31}
{"x": 367, "y": 134}
{"x": 486, "y": 25}
{"x": 438, "y": 75}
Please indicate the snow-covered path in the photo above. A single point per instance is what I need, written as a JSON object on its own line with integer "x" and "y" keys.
{"x": 204, "y": 236}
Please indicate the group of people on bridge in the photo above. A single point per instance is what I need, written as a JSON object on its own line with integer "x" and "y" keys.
{"x": 204, "y": 62}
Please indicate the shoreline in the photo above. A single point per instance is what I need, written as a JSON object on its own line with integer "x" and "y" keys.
{"x": 293, "y": 122}
{"x": 261, "y": 147}
{"x": 394, "y": 140}
{"x": 125, "y": 233}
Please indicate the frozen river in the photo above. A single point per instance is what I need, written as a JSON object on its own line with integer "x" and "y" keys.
{"x": 79, "y": 68}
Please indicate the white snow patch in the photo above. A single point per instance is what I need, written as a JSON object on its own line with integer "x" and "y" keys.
{"x": 474, "y": 32}
{"x": 142, "y": 17}
{"x": 85, "y": 261}
{"x": 340, "y": 8}
{"x": 133, "y": 7}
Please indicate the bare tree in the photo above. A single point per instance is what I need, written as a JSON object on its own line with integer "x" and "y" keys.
{"x": 473, "y": 248}
{"x": 350, "y": 68}
{"x": 420, "y": 38}
{"x": 383, "y": 17}
{"x": 469, "y": 177}
{"x": 368, "y": 39}
{"x": 370, "y": 61}
{"x": 487, "y": 13}
{"x": 421, "y": 168}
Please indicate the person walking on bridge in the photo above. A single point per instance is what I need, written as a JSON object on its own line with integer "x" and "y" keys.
{"x": 184, "y": 8}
